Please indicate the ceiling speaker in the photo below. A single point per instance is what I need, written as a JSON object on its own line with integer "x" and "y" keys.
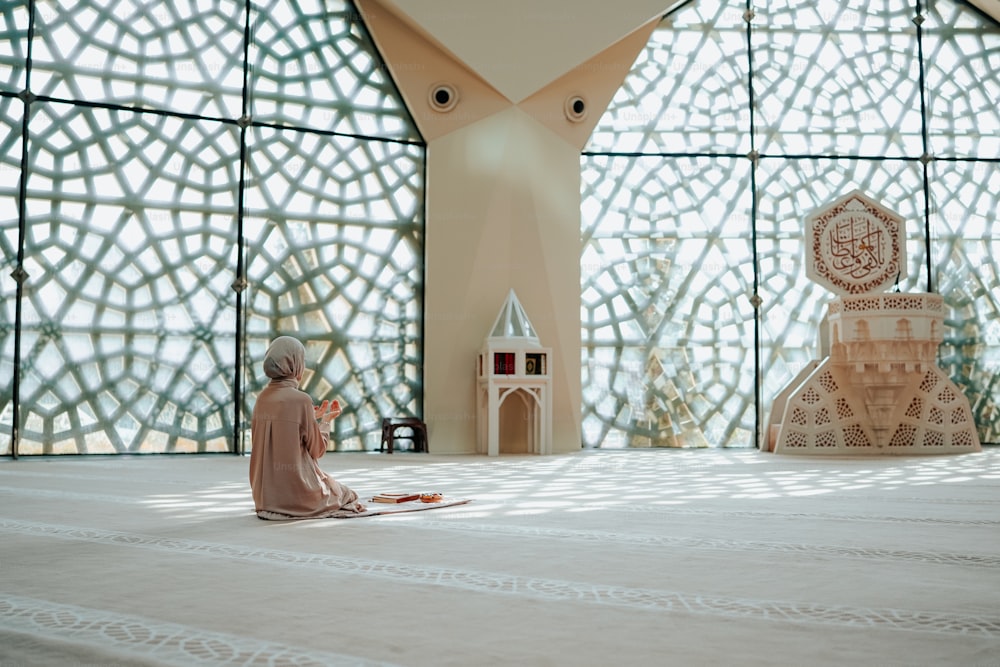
{"x": 575, "y": 108}
{"x": 442, "y": 97}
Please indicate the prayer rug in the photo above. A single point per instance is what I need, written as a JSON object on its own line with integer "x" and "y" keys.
{"x": 374, "y": 509}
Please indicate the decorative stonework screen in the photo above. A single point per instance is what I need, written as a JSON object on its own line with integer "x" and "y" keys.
{"x": 696, "y": 310}
{"x": 198, "y": 178}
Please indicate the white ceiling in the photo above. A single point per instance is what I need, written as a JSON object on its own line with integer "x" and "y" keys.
{"x": 519, "y": 46}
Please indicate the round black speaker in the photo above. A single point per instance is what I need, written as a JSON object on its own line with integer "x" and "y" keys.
{"x": 442, "y": 97}
{"x": 575, "y": 108}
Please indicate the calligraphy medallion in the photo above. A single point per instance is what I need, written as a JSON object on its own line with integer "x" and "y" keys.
{"x": 855, "y": 246}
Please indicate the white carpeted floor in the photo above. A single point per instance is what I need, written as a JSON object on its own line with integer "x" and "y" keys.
{"x": 597, "y": 558}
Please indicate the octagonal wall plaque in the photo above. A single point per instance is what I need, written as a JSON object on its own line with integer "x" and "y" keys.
{"x": 855, "y": 246}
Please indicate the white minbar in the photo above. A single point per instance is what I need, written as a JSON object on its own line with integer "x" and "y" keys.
{"x": 513, "y": 364}
{"x": 879, "y": 390}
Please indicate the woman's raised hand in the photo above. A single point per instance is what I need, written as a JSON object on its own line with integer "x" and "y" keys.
{"x": 327, "y": 411}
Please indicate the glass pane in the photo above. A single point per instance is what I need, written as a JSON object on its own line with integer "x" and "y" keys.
{"x": 129, "y": 321}
{"x": 837, "y": 78}
{"x": 10, "y": 176}
{"x": 314, "y": 66}
{"x": 830, "y": 81}
{"x": 966, "y": 251}
{"x": 963, "y": 81}
{"x": 667, "y": 323}
{"x": 334, "y": 257}
{"x": 13, "y": 45}
{"x": 688, "y": 89}
{"x": 133, "y": 218}
{"x": 179, "y": 55}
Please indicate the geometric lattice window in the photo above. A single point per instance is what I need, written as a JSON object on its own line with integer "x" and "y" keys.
{"x": 963, "y": 120}
{"x": 666, "y": 265}
{"x": 184, "y": 204}
{"x": 694, "y": 201}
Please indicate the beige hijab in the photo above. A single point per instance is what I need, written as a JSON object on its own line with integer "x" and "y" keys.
{"x": 285, "y": 359}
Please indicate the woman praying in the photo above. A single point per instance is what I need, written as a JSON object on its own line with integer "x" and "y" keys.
{"x": 288, "y": 435}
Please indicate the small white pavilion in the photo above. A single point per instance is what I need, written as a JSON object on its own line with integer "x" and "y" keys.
{"x": 513, "y": 364}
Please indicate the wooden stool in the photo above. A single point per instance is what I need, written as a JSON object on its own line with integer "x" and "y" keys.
{"x": 391, "y": 428}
